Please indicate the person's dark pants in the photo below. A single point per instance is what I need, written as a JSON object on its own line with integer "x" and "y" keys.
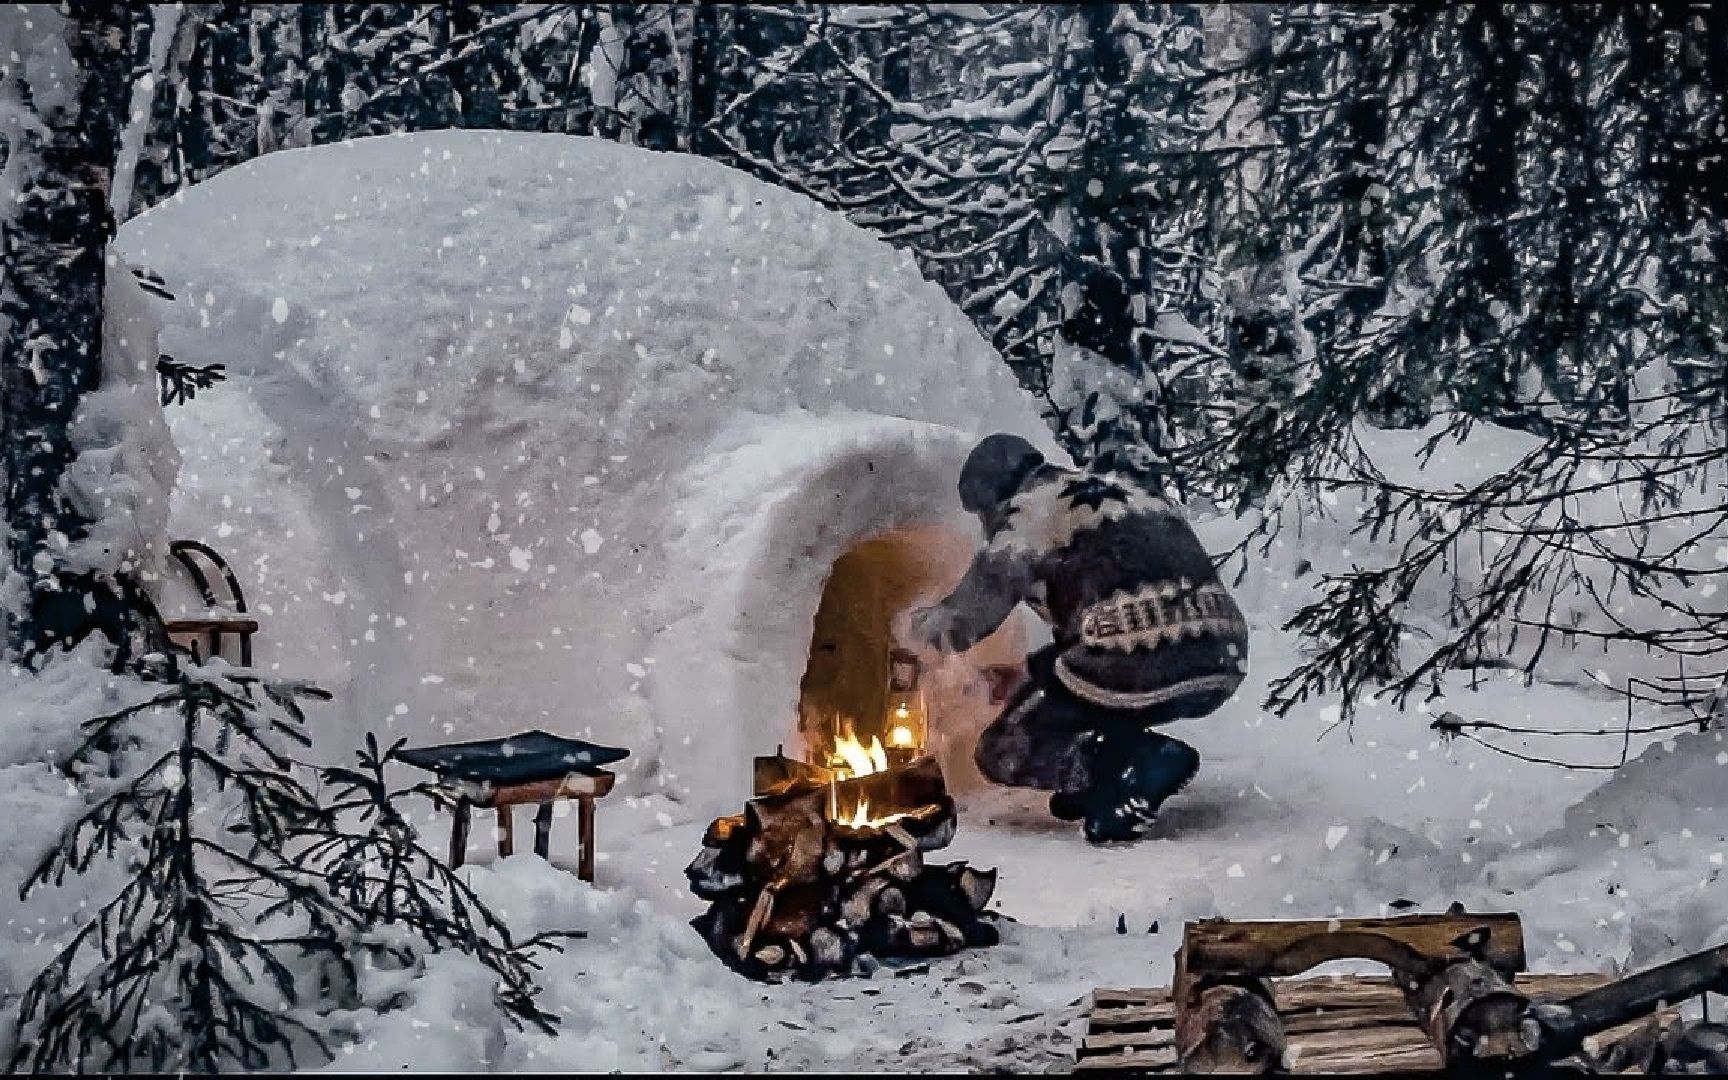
{"x": 1106, "y": 766}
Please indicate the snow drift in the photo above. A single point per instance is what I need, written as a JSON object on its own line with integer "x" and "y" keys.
{"x": 540, "y": 431}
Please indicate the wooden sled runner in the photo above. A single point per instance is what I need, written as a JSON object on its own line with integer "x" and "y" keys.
{"x": 1457, "y": 998}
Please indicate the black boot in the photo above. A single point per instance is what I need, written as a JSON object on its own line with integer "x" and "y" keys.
{"x": 1159, "y": 768}
{"x": 1133, "y": 774}
{"x": 1115, "y": 824}
{"x": 1068, "y": 805}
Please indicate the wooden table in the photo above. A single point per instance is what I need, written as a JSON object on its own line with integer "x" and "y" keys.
{"x": 532, "y": 767}
{"x": 504, "y": 798}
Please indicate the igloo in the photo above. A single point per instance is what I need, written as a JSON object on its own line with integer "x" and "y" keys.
{"x": 540, "y": 431}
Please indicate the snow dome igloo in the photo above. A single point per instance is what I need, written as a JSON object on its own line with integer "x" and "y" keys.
{"x": 539, "y": 431}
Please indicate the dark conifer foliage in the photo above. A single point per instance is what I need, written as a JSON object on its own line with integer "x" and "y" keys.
{"x": 1219, "y": 243}
{"x": 257, "y": 890}
{"x": 187, "y": 967}
{"x": 1530, "y": 259}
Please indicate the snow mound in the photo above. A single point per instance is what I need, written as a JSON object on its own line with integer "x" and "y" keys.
{"x": 540, "y": 431}
{"x": 1635, "y": 875}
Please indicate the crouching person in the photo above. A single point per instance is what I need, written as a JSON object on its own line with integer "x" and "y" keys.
{"x": 1144, "y": 633}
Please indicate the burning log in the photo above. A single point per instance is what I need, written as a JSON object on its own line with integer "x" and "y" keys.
{"x": 814, "y": 875}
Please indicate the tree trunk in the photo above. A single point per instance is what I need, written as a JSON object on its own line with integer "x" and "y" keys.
{"x": 682, "y": 28}
{"x": 164, "y": 27}
{"x": 51, "y": 306}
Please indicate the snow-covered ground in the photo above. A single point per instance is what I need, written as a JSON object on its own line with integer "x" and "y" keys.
{"x": 526, "y": 428}
{"x": 1284, "y": 820}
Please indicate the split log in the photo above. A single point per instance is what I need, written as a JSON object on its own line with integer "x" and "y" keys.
{"x": 905, "y": 866}
{"x": 858, "y": 905}
{"x": 828, "y": 949}
{"x": 771, "y": 956}
{"x": 722, "y": 830}
{"x": 1231, "y": 1027}
{"x": 1559, "y": 1028}
{"x": 953, "y": 938}
{"x": 759, "y": 913}
{"x": 710, "y": 876}
{"x": 788, "y": 835}
{"x": 798, "y": 910}
{"x": 975, "y": 886}
{"x": 956, "y": 887}
{"x": 779, "y": 773}
{"x": 1692, "y": 1048}
{"x": 1698, "y": 1047}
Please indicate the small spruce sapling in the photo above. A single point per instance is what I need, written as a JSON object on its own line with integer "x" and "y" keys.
{"x": 186, "y": 967}
{"x": 382, "y": 874}
{"x": 251, "y": 900}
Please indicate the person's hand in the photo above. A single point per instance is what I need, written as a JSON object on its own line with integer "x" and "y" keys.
{"x": 927, "y": 627}
{"x": 1001, "y": 680}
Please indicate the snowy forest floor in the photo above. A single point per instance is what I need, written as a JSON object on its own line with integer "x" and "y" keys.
{"x": 340, "y": 459}
{"x": 1288, "y": 818}
{"x": 1280, "y": 823}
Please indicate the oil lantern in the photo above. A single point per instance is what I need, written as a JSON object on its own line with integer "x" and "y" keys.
{"x": 906, "y": 725}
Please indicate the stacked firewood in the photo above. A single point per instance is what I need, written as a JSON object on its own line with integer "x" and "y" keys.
{"x": 795, "y": 892}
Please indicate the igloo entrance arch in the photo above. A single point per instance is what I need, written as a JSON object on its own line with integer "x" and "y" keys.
{"x": 786, "y": 524}
{"x": 846, "y": 688}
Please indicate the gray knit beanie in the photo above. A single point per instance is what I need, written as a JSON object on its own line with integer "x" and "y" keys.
{"x": 995, "y": 469}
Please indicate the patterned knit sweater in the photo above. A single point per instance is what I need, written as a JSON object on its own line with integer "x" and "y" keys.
{"x": 1140, "y": 619}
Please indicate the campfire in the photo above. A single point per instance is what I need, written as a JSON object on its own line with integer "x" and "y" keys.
{"x": 827, "y": 872}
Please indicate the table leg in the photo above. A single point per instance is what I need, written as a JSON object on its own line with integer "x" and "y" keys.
{"x": 459, "y": 834}
{"x": 506, "y": 831}
{"x": 585, "y": 827}
{"x": 543, "y": 831}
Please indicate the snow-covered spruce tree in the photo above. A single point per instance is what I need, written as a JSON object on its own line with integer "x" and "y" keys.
{"x": 240, "y": 81}
{"x": 406, "y": 897}
{"x": 255, "y": 901}
{"x": 1302, "y": 245}
{"x": 1549, "y": 245}
{"x": 1131, "y": 189}
{"x": 191, "y": 966}
{"x": 66, "y": 91}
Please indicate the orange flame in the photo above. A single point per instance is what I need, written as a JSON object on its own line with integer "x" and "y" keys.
{"x": 859, "y": 759}
{"x": 852, "y": 759}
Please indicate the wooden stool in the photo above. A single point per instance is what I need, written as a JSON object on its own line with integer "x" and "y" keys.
{"x": 533, "y": 767}
{"x": 504, "y": 798}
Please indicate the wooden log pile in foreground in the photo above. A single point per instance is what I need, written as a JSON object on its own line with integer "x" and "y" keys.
{"x": 1458, "y": 975}
{"x": 794, "y": 893}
